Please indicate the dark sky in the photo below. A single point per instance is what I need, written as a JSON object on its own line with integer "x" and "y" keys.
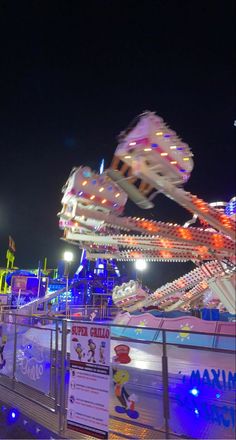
{"x": 74, "y": 74}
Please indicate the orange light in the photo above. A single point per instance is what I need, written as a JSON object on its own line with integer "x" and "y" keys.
{"x": 104, "y": 200}
{"x": 166, "y": 254}
{"x": 135, "y": 254}
{"x": 84, "y": 182}
{"x": 101, "y": 189}
{"x": 203, "y": 250}
{"x": 159, "y": 133}
{"x": 185, "y": 233}
{"x": 166, "y": 243}
{"x": 117, "y": 195}
{"x": 92, "y": 197}
{"x": 218, "y": 240}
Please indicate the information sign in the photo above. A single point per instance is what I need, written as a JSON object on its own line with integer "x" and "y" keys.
{"x": 88, "y": 397}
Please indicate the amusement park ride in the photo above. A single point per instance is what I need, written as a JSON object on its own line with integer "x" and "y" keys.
{"x": 176, "y": 351}
{"x": 151, "y": 159}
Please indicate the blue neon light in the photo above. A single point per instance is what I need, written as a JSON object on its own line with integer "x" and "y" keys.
{"x": 101, "y": 169}
{"x": 194, "y": 392}
{"x": 12, "y": 416}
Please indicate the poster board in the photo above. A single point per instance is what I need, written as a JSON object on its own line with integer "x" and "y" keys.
{"x": 3, "y": 299}
{"x": 88, "y": 397}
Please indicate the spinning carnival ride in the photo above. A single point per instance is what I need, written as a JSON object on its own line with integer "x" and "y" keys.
{"x": 151, "y": 159}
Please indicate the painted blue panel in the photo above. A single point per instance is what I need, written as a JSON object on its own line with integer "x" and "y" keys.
{"x": 140, "y": 333}
{"x": 225, "y": 342}
{"x": 117, "y": 331}
{"x": 184, "y": 338}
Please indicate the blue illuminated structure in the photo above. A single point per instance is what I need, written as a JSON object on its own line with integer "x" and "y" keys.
{"x": 95, "y": 281}
{"x": 91, "y": 284}
{"x": 230, "y": 208}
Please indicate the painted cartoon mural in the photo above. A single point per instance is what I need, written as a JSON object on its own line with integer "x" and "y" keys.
{"x": 126, "y": 401}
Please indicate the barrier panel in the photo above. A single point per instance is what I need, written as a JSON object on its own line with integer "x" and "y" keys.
{"x": 136, "y": 381}
{"x": 33, "y": 358}
{"x": 7, "y": 338}
{"x": 201, "y": 393}
{"x": 29, "y": 352}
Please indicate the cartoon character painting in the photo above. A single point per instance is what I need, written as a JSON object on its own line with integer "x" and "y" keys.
{"x": 2, "y": 360}
{"x": 120, "y": 378}
{"x": 91, "y": 352}
{"x": 101, "y": 352}
{"x": 79, "y": 351}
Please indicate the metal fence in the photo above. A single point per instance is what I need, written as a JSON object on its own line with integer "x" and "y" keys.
{"x": 93, "y": 313}
{"x": 178, "y": 387}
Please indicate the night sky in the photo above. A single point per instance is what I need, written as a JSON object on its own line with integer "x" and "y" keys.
{"x": 74, "y": 74}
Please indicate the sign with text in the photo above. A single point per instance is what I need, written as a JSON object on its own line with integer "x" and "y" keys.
{"x": 88, "y": 397}
{"x": 19, "y": 283}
